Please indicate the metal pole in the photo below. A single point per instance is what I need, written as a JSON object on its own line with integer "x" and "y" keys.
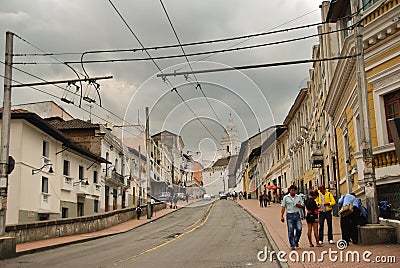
{"x": 5, "y": 131}
{"x": 140, "y": 180}
{"x": 148, "y": 164}
{"x": 366, "y": 146}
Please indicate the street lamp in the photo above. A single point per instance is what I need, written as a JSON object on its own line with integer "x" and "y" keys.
{"x": 37, "y": 170}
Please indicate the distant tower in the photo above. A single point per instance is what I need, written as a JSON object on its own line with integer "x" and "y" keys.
{"x": 230, "y": 142}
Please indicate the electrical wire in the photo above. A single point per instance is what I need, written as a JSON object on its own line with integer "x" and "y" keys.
{"x": 191, "y": 54}
{"x": 152, "y": 59}
{"x": 265, "y": 65}
{"x": 73, "y": 93}
{"x": 57, "y": 97}
{"x": 178, "y": 45}
{"x": 187, "y": 60}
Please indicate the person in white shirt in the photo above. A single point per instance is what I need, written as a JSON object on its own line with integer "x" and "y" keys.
{"x": 292, "y": 203}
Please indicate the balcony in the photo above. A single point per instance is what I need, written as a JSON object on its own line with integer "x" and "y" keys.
{"x": 45, "y": 201}
{"x": 66, "y": 183}
{"x": 97, "y": 190}
{"x": 115, "y": 179}
{"x": 82, "y": 188}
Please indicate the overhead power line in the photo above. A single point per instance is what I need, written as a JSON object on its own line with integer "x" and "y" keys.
{"x": 152, "y": 59}
{"x": 194, "y": 54}
{"x": 85, "y": 110}
{"x": 197, "y": 86}
{"x": 174, "y": 45}
{"x": 246, "y": 67}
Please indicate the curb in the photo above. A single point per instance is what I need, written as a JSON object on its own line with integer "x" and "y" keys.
{"x": 267, "y": 234}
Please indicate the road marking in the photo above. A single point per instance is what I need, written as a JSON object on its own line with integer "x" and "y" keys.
{"x": 204, "y": 220}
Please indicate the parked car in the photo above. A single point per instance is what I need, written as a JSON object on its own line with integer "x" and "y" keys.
{"x": 206, "y": 197}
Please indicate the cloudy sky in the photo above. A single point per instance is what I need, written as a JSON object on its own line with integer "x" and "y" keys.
{"x": 200, "y": 106}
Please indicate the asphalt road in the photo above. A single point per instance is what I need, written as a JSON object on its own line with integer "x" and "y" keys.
{"x": 219, "y": 234}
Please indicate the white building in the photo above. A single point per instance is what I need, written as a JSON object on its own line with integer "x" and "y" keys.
{"x": 53, "y": 177}
{"x": 216, "y": 175}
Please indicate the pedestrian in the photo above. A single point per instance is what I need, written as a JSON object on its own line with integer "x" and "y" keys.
{"x": 138, "y": 212}
{"x": 260, "y": 198}
{"x": 170, "y": 199}
{"x": 349, "y": 222}
{"x": 187, "y": 197}
{"x": 264, "y": 198}
{"x": 152, "y": 203}
{"x": 175, "y": 199}
{"x": 269, "y": 198}
{"x": 292, "y": 203}
{"x": 325, "y": 201}
{"x": 302, "y": 211}
{"x": 312, "y": 217}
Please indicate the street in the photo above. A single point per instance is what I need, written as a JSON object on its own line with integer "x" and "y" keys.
{"x": 219, "y": 234}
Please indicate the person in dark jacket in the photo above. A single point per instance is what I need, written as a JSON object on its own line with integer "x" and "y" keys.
{"x": 312, "y": 217}
{"x": 138, "y": 212}
{"x": 349, "y": 223}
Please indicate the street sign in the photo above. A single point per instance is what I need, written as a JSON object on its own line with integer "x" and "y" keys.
{"x": 11, "y": 164}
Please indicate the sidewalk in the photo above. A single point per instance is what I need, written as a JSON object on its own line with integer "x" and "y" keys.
{"x": 35, "y": 246}
{"x": 277, "y": 230}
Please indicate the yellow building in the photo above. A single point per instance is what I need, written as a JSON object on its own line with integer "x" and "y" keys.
{"x": 381, "y": 45}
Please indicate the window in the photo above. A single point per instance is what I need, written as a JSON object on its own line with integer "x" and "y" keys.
{"x": 346, "y": 22}
{"x": 392, "y": 102}
{"x": 95, "y": 177}
{"x": 107, "y": 158}
{"x": 66, "y": 168}
{"x": 45, "y": 185}
{"x": 96, "y": 206}
{"x": 81, "y": 173}
{"x": 368, "y": 3}
{"x": 45, "y": 149}
{"x": 64, "y": 213}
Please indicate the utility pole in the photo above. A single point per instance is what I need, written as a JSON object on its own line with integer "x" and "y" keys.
{"x": 5, "y": 131}
{"x": 366, "y": 146}
{"x": 148, "y": 163}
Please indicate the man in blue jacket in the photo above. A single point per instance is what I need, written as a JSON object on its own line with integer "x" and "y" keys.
{"x": 349, "y": 223}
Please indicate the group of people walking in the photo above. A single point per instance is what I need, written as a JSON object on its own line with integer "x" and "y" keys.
{"x": 318, "y": 209}
{"x": 265, "y": 199}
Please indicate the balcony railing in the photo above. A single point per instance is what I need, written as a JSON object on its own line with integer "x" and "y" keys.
{"x": 117, "y": 177}
{"x": 385, "y": 159}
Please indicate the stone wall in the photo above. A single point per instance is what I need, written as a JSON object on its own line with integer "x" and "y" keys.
{"x": 72, "y": 226}
{"x": 393, "y": 223}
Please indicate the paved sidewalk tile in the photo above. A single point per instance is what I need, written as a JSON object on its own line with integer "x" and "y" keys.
{"x": 278, "y": 231}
